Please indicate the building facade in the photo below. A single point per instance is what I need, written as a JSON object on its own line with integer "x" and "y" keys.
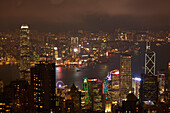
{"x": 125, "y": 76}
{"x": 149, "y": 89}
{"x": 25, "y": 53}
{"x": 43, "y": 86}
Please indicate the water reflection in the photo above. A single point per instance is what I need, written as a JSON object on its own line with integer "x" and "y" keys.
{"x": 70, "y": 75}
{"x": 59, "y": 73}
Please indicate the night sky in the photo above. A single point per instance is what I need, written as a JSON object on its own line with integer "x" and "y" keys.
{"x": 62, "y": 15}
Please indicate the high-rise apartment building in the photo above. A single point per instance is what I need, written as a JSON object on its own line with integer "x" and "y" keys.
{"x": 125, "y": 76}
{"x": 43, "y": 86}
{"x": 25, "y": 53}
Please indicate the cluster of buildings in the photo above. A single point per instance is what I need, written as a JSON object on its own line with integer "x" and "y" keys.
{"x": 38, "y": 91}
{"x": 71, "y": 46}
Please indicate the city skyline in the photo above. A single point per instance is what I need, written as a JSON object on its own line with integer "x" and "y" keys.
{"x": 84, "y": 56}
{"x": 64, "y": 15}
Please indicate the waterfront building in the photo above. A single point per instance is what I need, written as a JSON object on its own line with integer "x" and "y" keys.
{"x": 25, "y": 53}
{"x": 74, "y": 49}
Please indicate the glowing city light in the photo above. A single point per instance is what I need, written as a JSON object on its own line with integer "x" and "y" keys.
{"x": 24, "y": 27}
{"x": 116, "y": 73}
{"x": 75, "y": 50}
{"x": 55, "y": 48}
{"x": 59, "y": 85}
{"x": 137, "y": 79}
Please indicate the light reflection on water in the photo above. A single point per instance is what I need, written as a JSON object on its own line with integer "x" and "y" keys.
{"x": 71, "y": 75}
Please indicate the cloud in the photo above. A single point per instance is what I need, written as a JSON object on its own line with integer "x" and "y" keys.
{"x": 81, "y": 12}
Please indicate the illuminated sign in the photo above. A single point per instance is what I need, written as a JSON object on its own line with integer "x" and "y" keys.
{"x": 84, "y": 55}
{"x": 85, "y": 80}
{"x": 107, "y": 53}
{"x": 58, "y": 58}
{"x": 91, "y": 80}
{"x": 115, "y": 72}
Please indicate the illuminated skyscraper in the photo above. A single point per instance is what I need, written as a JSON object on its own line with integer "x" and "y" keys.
{"x": 114, "y": 90}
{"x": 93, "y": 95}
{"x": 25, "y": 54}
{"x": 150, "y": 57}
{"x": 125, "y": 76}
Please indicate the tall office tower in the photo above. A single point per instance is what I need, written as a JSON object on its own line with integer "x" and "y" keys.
{"x": 93, "y": 97}
{"x": 25, "y": 54}
{"x": 125, "y": 76}
{"x": 114, "y": 92}
{"x": 43, "y": 86}
{"x": 150, "y": 57}
{"x": 86, "y": 94}
{"x": 149, "y": 89}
